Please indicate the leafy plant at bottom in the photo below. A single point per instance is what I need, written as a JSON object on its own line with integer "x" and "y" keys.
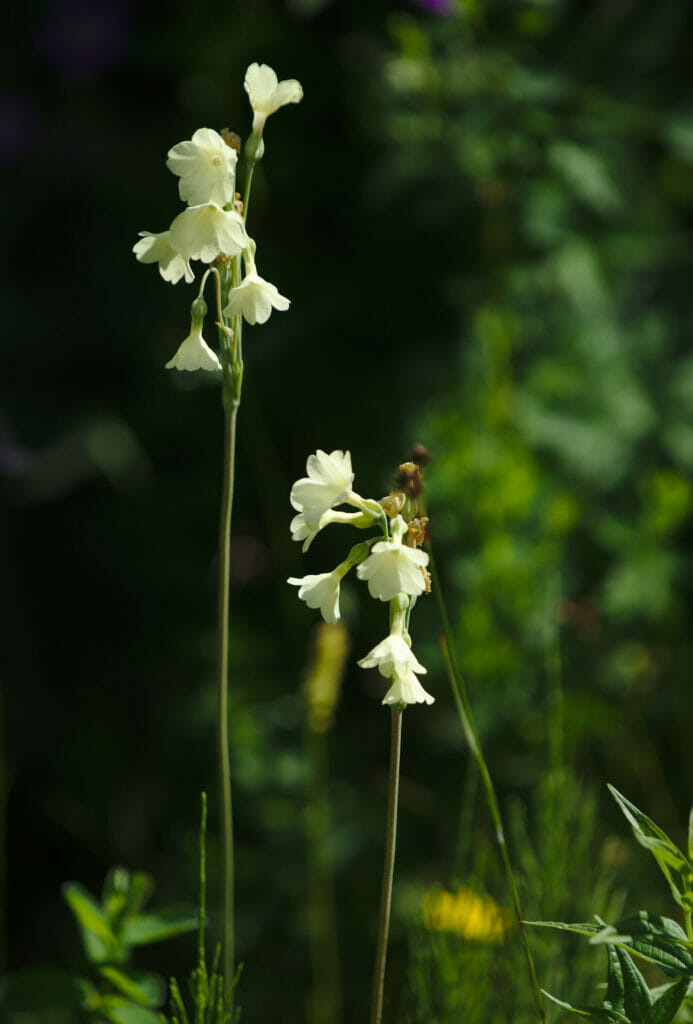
{"x": 110, "y": 931}
{"x": 657, "y": 940}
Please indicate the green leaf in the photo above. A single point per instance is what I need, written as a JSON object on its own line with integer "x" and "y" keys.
{"x": 666, "y": 1005}
{"x": 122, "y": 1011}
{"x": 615, "y": 987}
{"x": 140, "y": 986}
{"x": 659, "y": 940}
{"x": 590, "y": 1011}
{"x": 43, "y": 990}
{"x": 161, "y": 924}
{"x": 637, "y": 999}
{"x": 125, "y": 894}
{"x": 690, "y": 835}
{"x": 672, "y": 862}
{"x": 578, "y": 929}
{"x": 99, "y": 941}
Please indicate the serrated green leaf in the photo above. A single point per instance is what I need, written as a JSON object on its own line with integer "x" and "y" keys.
{"x": 100, "y": 943}
{"x": 578, "y": 929}
{"x": 637, "y": 999}
{"x": 140, "y": 986}
{"x": 673, "y": 864}
{"x": 122, "y": 1011}
{"x": 615, "y": 987}
{"x": 158, "y": 925}
{"x": 666, "y": 1005}
{"x": 43, "y": 990}
{"x": 653, "y": 938}
{"x": 590, "y": 1011}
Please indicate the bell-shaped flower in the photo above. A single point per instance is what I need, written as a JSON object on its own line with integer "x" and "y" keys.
{"x": 254, "y": 298}
{"x": 206, "y": 167}
{"x": 301, "y": 531}
{"x": 406, "y": 689}
{"x": 267, "y": 94}
{"x": 195, "y": 353}
{"x": 202, "y": 232}
{"x": 392, "y": 656}
{"x": 153, "y": 248}
{"x": 328, "y": 483}
{"x": 321, "y": 591}
{"x": 393, "y": 568}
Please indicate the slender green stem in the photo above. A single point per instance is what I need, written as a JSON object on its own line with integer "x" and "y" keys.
{"x": 223, "y": 690}
{"x": 464, "y": 710}
{"x": 388, "y": 867}
{"x": 248, "y": 182}
{"x": 687, "y": 916}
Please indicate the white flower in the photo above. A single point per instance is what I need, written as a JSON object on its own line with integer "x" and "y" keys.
{"x": 321, "y": 591}
{"x": 392, "y": 656}
{"x": 328, "y": 483}
{"x": 158, "y": 249}
{"x": 254, "y": 298}
{"x": 406, "y": 689}
{"x": 267, "y": 94}
{"x": 194, "y": 353}
{"x": 393, "y": 568}
{"x": 206, "y": 167}
{"x": 300, "y": 530}
{"x": 202, "y": 232}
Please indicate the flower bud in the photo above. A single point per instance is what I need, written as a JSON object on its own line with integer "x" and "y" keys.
{"x": 198, "y": 311}
{"x": 254, "y": 147}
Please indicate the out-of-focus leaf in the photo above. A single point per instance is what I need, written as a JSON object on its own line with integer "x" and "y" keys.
{"x": 122, "y": 1011}
{"x": 666, "y": 1005}
{"x": 100, "y": 942}
{"x": 140, "y": 986}
{"x": 598, "y": 1012}
{"x": 161, "y": 924}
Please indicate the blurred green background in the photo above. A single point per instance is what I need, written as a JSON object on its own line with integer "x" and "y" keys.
{"x": 482, "y": 213}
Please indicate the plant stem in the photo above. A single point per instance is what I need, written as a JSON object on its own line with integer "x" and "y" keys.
{"x": 230, "y": 414}
{"x": 464, "y": 710}
{"x": 388, "y": 867}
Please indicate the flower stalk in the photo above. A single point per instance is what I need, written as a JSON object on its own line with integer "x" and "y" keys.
{"x": 388, "y": 866}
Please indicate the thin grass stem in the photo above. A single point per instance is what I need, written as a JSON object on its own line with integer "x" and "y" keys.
{"x": 464, "y": 710}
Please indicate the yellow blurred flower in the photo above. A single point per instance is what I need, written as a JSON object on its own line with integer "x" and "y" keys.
{"x": 466, "y": 913}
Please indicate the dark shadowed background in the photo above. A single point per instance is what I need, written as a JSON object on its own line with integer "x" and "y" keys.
{"x": 482, "y": 213}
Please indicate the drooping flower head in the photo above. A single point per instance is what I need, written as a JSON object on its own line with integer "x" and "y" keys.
{"x": 321, "y": 591}
{"x": 328, "y": 484}
{"x": 406, "y": 689}
{"x": 206, "y": 166}
{"x": 393, "y": 568}
{"x": 194, "y": 353}
{"x": 254, "y": 299}
{"x": 391, "y": 655}
{"x": 158, "y": 249}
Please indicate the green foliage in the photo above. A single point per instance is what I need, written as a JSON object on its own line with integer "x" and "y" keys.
{"x": 109, "y": 932}
{"x": 657, "y": 940}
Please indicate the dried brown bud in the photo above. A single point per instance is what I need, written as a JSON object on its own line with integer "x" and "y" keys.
{"x": 409, "y": 479}
{"x": 393, "y": 503}
{"x": 231, "y": 139}
{"x": 420, "y": 455}
{"x": 238, "y": 204}
{"x": 417, "y": 532}
{"x": 427, "y": 580}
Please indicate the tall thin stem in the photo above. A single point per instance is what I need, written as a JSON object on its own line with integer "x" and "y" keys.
{"x": 388, "y": 867}
{"x": 230, "y": 414}
{"x": 464, "y": 710}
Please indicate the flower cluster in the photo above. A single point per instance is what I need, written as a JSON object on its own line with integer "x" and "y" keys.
{"x": 212, "y": 227}
{"x": 392, "y": 565}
